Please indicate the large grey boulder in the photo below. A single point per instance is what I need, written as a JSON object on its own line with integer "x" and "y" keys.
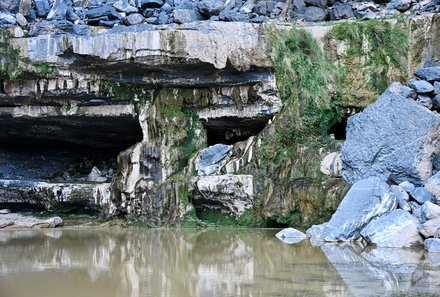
{"x": 134, "y": 19}
{"x": 182, "y": 16}
{"x": 342, "y": 11}
{"x": 421, "y": 195}
{"x": 433, "y": 185}
{"x": 124, "y": 6}
{"x": 149, "y": 3}
{"x": 430, "y": 228}
{"x": 392, "y": 138}
{"x": 432, "y": 245}
{"x": 400, "y": 5}
{"x": 430, "y": 211}
{"x": 421, "y": 86}
{"x": 366, "y": 200}
{"x": 429, "y": 73}
{"x": 317, "y": 3}
{"x": 290, "y": 236}
{"x": 315, "y": 14}
{"x": 398, "y": 229}
{"x": 42, "y": 7}
{"x": 210, "y": 7}
{"x": 58, "y": 10}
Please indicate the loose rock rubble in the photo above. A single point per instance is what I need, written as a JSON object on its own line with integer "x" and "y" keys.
{"x": 110, "y": 13}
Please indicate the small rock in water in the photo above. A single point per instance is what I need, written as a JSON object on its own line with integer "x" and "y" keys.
{"x": 291, "y": 236}
{"x": 5, "y": 211}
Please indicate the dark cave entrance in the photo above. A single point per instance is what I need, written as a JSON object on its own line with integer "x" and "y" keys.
{"x": 63, "y": 149}
{"x": 231, "y": 130}
{"x": 339, "y": 129}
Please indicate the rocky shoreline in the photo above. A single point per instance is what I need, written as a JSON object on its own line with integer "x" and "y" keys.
{"x": 390, "y": 157}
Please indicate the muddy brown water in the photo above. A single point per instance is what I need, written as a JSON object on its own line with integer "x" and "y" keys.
{"x": 211, "y": 262}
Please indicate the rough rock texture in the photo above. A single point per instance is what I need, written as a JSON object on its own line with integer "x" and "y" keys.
{"x": 13, "y": 220}
{"x": 210, "y": 159}
{"x": 332, "y": 164}
{"x": 432, "y": 245}
{"x": 392, "y": 138}
{"x": 430, "y": 228}
{"x": 433, "y": 185}
{"x": 397, "y": 229}
{"x": 290, "y": 236}
{"x": 430, "y": 211}
{"x": 53, "y": 195}
{"x": 366, "y": 200}
{"x": 228, "y": 193}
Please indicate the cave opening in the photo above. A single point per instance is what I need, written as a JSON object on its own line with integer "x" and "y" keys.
{"x": 231, "y": 130}
{"x": 64, "y": 149}
{"x": 338, "y": 129}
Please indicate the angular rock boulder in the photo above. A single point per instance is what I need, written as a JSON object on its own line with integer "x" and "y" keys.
{"x": 432, "y": 245}
{"x": 430, "y": 228}
{"x": 366, "y": 200}
{"x": 398, "y": 229}
{"x": 392, "y": 138}
{"x": 433, "y": 186}
{"x": 429, "y": 73}
{"x": 430, "y": 211}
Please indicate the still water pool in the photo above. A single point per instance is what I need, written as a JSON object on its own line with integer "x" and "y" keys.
{"x": 211, "y": 262}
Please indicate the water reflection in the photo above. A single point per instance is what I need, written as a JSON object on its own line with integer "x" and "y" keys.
{"x": 134, "y": 263}
{"x": 371, "y": 271}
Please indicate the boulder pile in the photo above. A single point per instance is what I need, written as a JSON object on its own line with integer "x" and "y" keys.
{"x": 109, "y": 13}
{"x": 391, "y": 156}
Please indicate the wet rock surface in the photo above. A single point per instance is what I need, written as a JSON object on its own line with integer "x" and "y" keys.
{"x": 13, "y": 220}
{"x": 366, "y": 200}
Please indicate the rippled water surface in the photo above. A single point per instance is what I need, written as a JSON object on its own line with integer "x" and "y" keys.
{"x": 217, "y": 262}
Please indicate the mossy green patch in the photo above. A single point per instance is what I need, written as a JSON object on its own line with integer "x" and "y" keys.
{"x": 121, "y": 91}
{"x": 375, "y": 56}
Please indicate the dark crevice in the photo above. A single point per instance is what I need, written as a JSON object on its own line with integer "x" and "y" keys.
{"x": 231, "y": 130}
{"x": 339, "y": 129}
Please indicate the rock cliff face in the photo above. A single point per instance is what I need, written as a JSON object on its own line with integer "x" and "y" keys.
{"x": 74, "y": 97}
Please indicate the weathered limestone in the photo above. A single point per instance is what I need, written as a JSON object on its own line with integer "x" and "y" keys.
{"x": 52, "y": 195}
{"x": 228, "y": 193}
{"x": 13, "y": 220}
